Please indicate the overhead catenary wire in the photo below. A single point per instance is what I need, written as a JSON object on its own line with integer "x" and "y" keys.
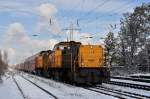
{"x": 82, "y": 6}
{"x": 19, "y": 10}
{"x": 98, "y": 17}
{"x": 92, "y": 10}
{"x": 114, "y": 10}
{"x": 74, "y": 6}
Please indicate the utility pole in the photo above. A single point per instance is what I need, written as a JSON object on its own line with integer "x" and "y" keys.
{"x": 72, "y": 29}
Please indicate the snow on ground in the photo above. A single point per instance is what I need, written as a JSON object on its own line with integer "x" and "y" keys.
{"x": 141, "y": 74}
{"x": 64, "y": 91}
{"x": 128, "y": 89}
{"x": 9, "y": 90}
{"x": 30, "y": 90}
{"x": 129, "y": 81}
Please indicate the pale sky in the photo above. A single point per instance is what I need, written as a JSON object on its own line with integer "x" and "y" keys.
{"x": 21, "y": 19}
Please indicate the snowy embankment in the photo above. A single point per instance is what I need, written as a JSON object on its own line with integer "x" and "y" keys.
{"x": 65, "y": 91}
{"x": 31, "y": 91}
{"x": 141, "y": 74}
{"x": 128, "y": 89}
{"x": 9, "y": 89}
{"x": 129, "y": 81}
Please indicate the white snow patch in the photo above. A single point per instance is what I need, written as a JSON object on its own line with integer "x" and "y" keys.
{"x": 141, "y": 74}
{"x": 65, "y": 91}
{"x": 128, "y": 89}
{"x": 9, "y": 90}
{"x": 30, "y": 90}
{"x": 129, "y": 81}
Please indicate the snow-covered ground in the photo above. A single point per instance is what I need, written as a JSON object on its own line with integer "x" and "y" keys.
{"x": 9, "y": 90}
{"x": 64, "y": 91}
{"x": 141, "y": 74}
{"x": 127, "y": 89}
{"x": 129, "y": 81}
{"x": 31, "y": 91}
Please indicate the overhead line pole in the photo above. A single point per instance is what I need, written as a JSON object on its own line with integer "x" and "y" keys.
{"x": 71, "y": 29}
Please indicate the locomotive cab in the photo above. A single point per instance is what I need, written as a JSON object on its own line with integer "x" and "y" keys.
{"x": 91, "y": 68}
{"x": 77, "y": 63}
{"x": 90, "y": 56}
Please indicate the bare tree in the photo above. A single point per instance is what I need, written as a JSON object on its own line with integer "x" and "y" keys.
{"x": 3, "y": 63}
{"x": 134, "y": 33}
{"x": 5, "y": 60}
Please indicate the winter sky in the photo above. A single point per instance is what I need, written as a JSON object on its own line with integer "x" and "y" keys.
{"x": 21, "y": 19}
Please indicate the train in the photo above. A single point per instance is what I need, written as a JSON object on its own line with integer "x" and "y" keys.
{"x": 71, "y": 62}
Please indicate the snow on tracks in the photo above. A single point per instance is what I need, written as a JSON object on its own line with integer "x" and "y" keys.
{"x": 9, "y": 90}
{"x": 19, "y": 87}
{"x": 65, "y": 91}
{"x": 41, "y": 88}
{"x": 31, "y": 91}
{"x": 136, "y": 92}
{"x": 132, "y": 84}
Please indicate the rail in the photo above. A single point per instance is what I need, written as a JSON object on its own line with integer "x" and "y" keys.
{"x": 136, "y": 86}
{"x": 21, "y": 91}
{"x": 41, "y": 88}
{"x": 133, "y": 79}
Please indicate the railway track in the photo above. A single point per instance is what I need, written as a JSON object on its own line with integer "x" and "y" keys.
{"x": 126, "y": 93}
{"x": 141, "y": 76}
{"x": 117, "y": 93}
{"x": 114, "y": 92}
{"x": 55, "y": 97}
{"x": 133, "y": 79}
{"x": 23, "y": 95}
{"x": 104, "y": 92}
{"x": 125, "y": 84}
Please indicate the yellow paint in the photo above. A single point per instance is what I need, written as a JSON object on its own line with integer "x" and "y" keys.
{"x": 39, "y": 62}
{"x": 49, "y": 60}
{"x": 91, "y": 56}
{"x": 42, "y": 62}
{"x": 56, "y": 59}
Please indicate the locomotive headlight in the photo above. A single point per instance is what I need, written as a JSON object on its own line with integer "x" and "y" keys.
{"x": 82, "y": 63}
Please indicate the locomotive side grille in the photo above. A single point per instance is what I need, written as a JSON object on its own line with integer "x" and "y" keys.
{"x": 90, "y": 56}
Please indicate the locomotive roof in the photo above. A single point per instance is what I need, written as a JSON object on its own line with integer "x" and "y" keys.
{"x": 48, "y": 51}
{"x": 34, "y": 56}
{"x": 67, "y": 43}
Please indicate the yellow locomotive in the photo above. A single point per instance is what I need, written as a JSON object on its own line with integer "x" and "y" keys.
{"x": 73, "y": 62}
